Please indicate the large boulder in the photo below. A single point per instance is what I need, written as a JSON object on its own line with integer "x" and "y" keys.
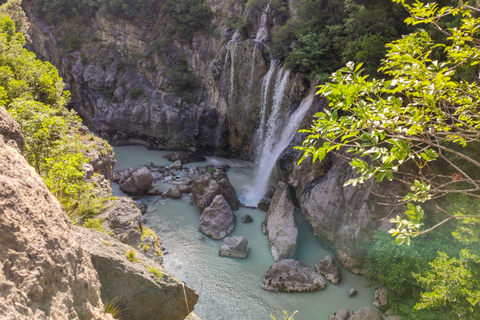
{"x": 144, "y": 291}
{"x": 280, "y": 225}
{"x": 236, "y": 247}
{"x": 328, "y": 268}
{"x": 124, "y": 219}
{"x": 44, "y": 273}
{"x": 292, "y": 276}
{"x": 137, "y": 181}
{"x": 218, "y": 220}
{"x": 207, "y": 186}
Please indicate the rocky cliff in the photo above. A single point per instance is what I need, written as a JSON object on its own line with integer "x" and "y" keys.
{"x": 44, "y": 272}
{"x": 218, "y": 92}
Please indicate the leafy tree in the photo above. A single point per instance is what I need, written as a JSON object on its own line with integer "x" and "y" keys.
{"x": 32, "y": 92}
{"x": 415, "y": 127}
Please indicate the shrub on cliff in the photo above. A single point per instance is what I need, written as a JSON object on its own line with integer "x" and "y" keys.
{"x": 32, "y": 92}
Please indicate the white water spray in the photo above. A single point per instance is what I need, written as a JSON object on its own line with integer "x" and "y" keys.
{"x": 273, "y": 146}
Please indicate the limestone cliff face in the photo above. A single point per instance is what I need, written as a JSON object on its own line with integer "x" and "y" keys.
{"x": 126, "y": 88}
{"x": 44, "y": 273}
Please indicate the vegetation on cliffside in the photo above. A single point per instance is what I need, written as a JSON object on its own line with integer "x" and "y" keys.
{"x": 32, "y": 92}
{"x": 419, "y": 127}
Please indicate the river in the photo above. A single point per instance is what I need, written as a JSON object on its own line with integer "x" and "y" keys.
{"x": 229, "y": 288}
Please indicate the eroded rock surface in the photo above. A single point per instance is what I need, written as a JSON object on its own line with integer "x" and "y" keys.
{"x": 218, "y": 220}
{"x": 207, "y": 186}
{"x": 329, "y": 269}
{"x": 141, "y": 294}
{"x": 136, "y": 181}
{"x": 280, "y": 225}
{"x": 342, "y": 314}
{"x": 44, "y": 273}
{"x": 292, "y": 276}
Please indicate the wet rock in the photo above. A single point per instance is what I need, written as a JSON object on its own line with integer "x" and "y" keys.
{"x": 264, "y": 204}
{"x": 342, "y": 314}
{"x": 184, "y": 188}
{"x": 141, "y": 294}
{"x": 173, "y": 193}
{"x": 352, "y": 292}
{"x": 153, "y": 191}
{"x": 280, "y": 225}
{"x": 247, "y": 219}
{"x": 291, "y": 276}
{"x": 218, "y": 220}
{"x": 328, "y": 268}
{"x": 366, "y": 314}
{"x": 177, "y": 165}
{"x": 184, "y": 157}
{"x": 196, "y": 172}
{"x": 380, "y": 298}
{"x": 236, "y": 247}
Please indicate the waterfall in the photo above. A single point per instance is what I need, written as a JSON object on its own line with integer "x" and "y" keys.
{"x": 262, "y": 33}
{"x": 278, "y": 137}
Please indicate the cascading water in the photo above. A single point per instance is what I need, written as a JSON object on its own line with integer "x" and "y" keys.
{"x": 273, "y": 146}
{"x": 262, "y": 33}
{"x": 263, "y": 104}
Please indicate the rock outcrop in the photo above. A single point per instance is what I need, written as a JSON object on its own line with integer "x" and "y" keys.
{"x": 292, "y": 276}
{"x": 280, "y": 225}
{"x": 328, "y": 268}
{"x": 218, "y": 220}
{"x": 380, "y": 299}
{"x": 342, "y": 314}
{"x": 142, "y": 289}
{"x": 207, "y": 186}
{"x": 44, "y": 273}
{"x": 136, "y": 181}
{"x": 236, "y": 247}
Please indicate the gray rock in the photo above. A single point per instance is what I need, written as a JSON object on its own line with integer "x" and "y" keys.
{"x": 153, "y": 191}
{"x": 135, "y": 182}
{"x": 207, "y": 186}
{"x": 125, "y": 220}
{"x": 87, "y": 171}
{"x": 142, "y": 206}
{"x": 218, "y": 220}
{"x": 366, "y": 314}
{"x": 44, "y": 272}
{"x": 352, "y": 292}
{"x": 247, "y": 219}
{"x": 380, "y": 299}
{"x": 342, "y": 314}
{"x": 292, "y": 276}
{"x": 236, "y": 247}
{"x": 174, "y": 193}
{"x": 184, "y": 188}
{"x": 280, "y": 225}
{"x": 141, "y": 294}
{"x": 328, "y": 268}
{"x": 177, "y": 165}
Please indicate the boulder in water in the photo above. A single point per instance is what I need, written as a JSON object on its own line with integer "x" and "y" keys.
{"x": 291, "y": 276}
{"x": 135, "y": 182}
{"x": 342, "y": 314}
{"x": 247, "y": 219}
{"x": 328, "y": 268}
{"x": 236, "y": 247}
{"x": 352, "y": 292}
{"x": 380, "y": 299}
{"x": 207, "y": 186}
{"x": 218, "y": 220}
{"x": 177, "y": 165}
{"x": 366, "y": 314}
{"x": 280, "y": 225}
{"x": 174, "y": 193}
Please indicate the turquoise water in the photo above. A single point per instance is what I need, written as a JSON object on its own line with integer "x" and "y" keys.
{"x": 229, "y": 288}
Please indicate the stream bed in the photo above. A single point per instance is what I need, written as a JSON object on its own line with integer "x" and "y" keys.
{"x": 229, "y": 288}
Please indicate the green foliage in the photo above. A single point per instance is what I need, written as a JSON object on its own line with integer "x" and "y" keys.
{"x": 94, "y": 224}
{"x": 135, "y": 93}
{"x": 187, "y": 16}
{"x": 413, "y": 118}
{"x": 324, "y": 31}
{"x": 159, "y": 275}
{"x": 113, "y": 307}
{"x": 132, "y": 256}
{"x": 32, "y": 92}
